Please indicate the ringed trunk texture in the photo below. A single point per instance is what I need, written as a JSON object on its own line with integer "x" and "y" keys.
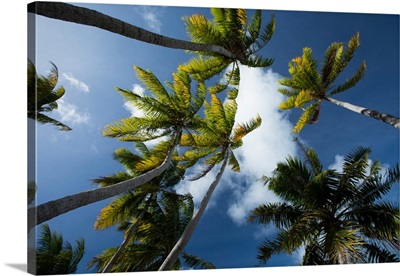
{"x": 185, "y": 237}
{"x": 84, "y": 16}
{"x": 386, "y": 118}
{"x": 127, "y": 239}
{"x": 54, "y": 208}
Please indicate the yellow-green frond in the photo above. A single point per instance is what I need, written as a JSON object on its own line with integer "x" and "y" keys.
{"x": 219, "y": 18}
{"x": 243, "y": 129}
{"x": 305, "y": 117}
{"x": 181, "y": 88}
{"x": 233, "y": 162}
{"x": 152, "y": 84}
{"x": 201, "y": 30}
{"x": 204, "y": 68}
{"x": 232, "y": 94}
{"x": 288, "y": 103}
{"x": 216, "y": 117}
{"x": 148, "y": 164}
{"x": 217, "y": 88}
{"x": 302, "y": 98}
{"x": 118, "y": 210}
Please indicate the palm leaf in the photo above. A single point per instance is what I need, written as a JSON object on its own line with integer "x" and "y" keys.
{"x": 152, "y": 84}
{"x": 349, "y": 83}
{"x": 243, "y": 129}
{"x": 305, "y": 118}
{"x": 204, "y": 68}
{"x": 196, "y": 262}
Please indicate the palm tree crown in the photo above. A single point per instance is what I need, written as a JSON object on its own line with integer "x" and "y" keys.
{"x": 214, "y": 143}
{"x": 307, "y": 88}
{"x": 154, "y": 237}
{"x": 164, "y": 113}
{"x": 54, "y": 256}
{"x": 43, "y": 96}
{"x": 338, "y": 217}
{"x": 231, "y": 30}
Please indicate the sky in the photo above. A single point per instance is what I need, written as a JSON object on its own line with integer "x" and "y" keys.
{"x": 92, "y": 62}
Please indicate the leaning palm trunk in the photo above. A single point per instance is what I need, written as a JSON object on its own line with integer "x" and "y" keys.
{"x": 51, "y": 209}
{"x": 185, "y": 237}
{"x": 389, "y": 119}
{"x": 70, "y": 13}
{"x": 125, "y": 242}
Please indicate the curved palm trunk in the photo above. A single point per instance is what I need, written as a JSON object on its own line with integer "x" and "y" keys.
{"x": 127, "y": 239}
{"x": 54, "y": 208}
{"x": 185, "y": 237}
{"x": 70, "y": 13}
{"x": 389, "y": 119}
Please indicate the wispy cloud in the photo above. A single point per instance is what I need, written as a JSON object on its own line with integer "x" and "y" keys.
{"x": 135, "y": 112}
{"x": 262, "y": 149}
{"x": 81, "y": 86}
{"x": 151, "y": 17}
{"x": 70, "y": 114}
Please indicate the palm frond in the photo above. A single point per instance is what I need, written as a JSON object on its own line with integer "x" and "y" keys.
{"x": 305, "y": 118}
{"x": 196, "y": 262}
{"x": 243, "y": 129}
{"x": 349, "y": 83}
{"x": 152, "y": 84}
{"x": 204, "y": 68}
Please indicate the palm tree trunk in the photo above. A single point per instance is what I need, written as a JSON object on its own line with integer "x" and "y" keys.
{"x": 127, "y": 239}
{"x": 80, "y": 15}
{"x": 51, "y": 209}
{"x": 185, "y": 237}
{"x": 389, "y": 119}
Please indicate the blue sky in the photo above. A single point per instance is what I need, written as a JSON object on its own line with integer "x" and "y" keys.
{"x": 91, "y": 62}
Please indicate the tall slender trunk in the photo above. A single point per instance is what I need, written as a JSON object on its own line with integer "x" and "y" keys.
{"x": 389, "y": 119}
{"x": 185, "y": 237}
{"x": 54, "y": 208}
{"x": 80, "y": 15}
{"x": 125, "y": 242}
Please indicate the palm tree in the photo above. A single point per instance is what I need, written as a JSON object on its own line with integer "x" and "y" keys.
{"x": 229, "y": 29}
{"x": 43, "y": 96}
{"x": 164, "y": 115}
{"x": 308, "y": 86}
{"x": 339, "y": 217}
{"x": 80, "y": 15}
{"x": 54, "y": 256}
{"x": 154, "y": 237}
{"x": 135, "y": 204}
{"x": 215, "y": 142}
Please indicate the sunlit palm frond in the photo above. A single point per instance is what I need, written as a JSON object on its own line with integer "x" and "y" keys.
{"x": 153, "y": 84}
{"x": 241, "y": 130}
{"x": 119, "y": 209}
{"x": 305, "y": 118}
{"x": 204, "y": 68}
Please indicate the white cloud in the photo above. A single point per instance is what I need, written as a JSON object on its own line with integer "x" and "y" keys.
{"x": 135, "y": 112}
{"x": 69, "y": 113}
{"x": 264, "y": 147}
{"x": 81, "y": 86}
{"x": 337, "y": 165}
{"x": 150, "y": 15}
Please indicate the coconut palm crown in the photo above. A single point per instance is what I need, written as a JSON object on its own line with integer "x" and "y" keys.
{"x": 43, "y": 95}
{"x": 56, "y": 256}
{"x": 153, "y": 238}
{"x": 308, "y": 87}
{"x": 230, "y": 29}
{"x": 213, "y": 143}
{"x": 337, "y": 216}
